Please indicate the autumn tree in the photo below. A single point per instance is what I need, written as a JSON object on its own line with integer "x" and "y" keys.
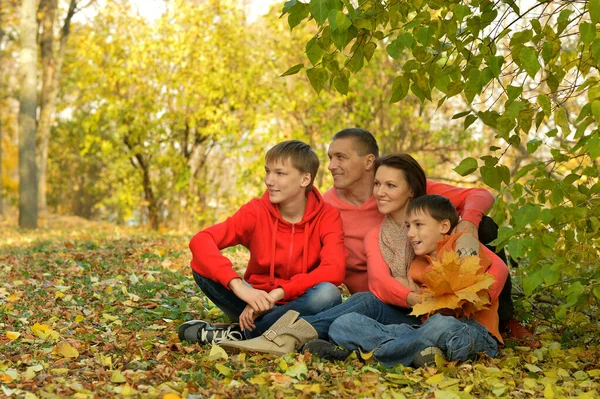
{"x": 51, "y": 65}
{"x": 529, "y": 73}
{"x": 28, "y": 213}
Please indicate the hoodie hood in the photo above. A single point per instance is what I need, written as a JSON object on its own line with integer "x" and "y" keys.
{"x": 314, "y": 206}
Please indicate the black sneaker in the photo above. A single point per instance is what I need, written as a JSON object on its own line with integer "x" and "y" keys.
{"x": 427, "y": 357}
{"x": 203, "y": 332}
{"x": 325, "y": 350}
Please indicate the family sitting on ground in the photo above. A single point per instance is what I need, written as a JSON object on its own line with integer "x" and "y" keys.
{"x": 377, "y": 231}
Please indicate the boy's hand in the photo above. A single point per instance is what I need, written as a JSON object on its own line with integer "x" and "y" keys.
{"x": 277, "y": 294}
{"x": 412, "y": 299}
{"x": 247, "y": 318}
{"x": 258, "y": 300}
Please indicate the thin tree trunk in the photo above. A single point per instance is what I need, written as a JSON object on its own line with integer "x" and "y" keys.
{"x": 1, "y": 186}
{"x": 28, "y": 185}
{"x": 51, "y": 72}
{"x": 1, "y": 65}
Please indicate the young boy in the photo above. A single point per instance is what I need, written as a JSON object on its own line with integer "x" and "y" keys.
{"x": 297, "y": 253}
{"x": 430, "y": 219}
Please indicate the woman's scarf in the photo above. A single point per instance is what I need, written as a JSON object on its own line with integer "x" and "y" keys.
{"x": 394, "y": 246}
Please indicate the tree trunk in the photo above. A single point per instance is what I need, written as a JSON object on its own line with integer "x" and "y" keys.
{"x": 51, "y": 67}
{"x": 1, "y": 79}
{"x": 1, "y": 187}
{"x": 28, "y": 185}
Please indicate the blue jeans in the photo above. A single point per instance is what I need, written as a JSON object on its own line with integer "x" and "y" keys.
{"x": 316, "y": 299}
{"x": 364, "y": 303}
{"x": 459, "y": 339}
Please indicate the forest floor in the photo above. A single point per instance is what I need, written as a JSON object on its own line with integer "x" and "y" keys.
{"x": 91, "y": 310}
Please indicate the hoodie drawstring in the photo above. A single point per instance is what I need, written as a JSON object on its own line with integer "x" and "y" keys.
{"x": 273, "y": 247}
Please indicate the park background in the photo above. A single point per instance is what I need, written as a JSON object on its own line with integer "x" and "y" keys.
{"x": 126, "y": 126}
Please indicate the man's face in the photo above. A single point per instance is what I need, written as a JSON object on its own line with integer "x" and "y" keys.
{"x": 345, "y": 164}
{"x": 284, "y": 182}
{"x": 424, "y": 232}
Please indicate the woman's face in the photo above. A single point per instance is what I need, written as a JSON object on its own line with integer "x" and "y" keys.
{"x": 392, "y": 192}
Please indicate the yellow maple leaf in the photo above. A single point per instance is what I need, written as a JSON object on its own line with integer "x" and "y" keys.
{"x": 455, "y": 284}
{"x": 12, "y": 335}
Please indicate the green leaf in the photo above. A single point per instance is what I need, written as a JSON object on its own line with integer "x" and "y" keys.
{"x": 356, "y": 61}
{"x": 560, "y": 118}
{"x": 526, "y": 215}
{"x": 593, "y": 146}
{"x": 288, "y": 5}
{"x": 532, "y": 145}
{"x": 400, "y": 88}
{"x": 460, "y": 114}
{"x": 544, "y": 102}
{"x": 495, "y": 64}
{"x": 342, "y": 21}
{"x": 491, "y": 177}
{"x": 293, "y": 70}
{"x": 513, "y": 92}
{"x": 320, "y": 9}
{"x": 596, "y": 109}
{"x": 594, "y": 9}
{"x": 394, "y": 49}
{"x": 369, "y": 50}
{"x": 587, "y": 32}
{"x": 340, "y": 82}
{"x": 532, "y": 281}
{"x": 460, "y": 12}
{"x": 574, "y": 292}
{"x": 469, "y": 120}
{"x": 466, "y": 166}
{"x": 529, "y": 61}
{"x": 596, "y": 292}
{"x": 314, "y": 52}
{"x": 297, "y": 14}
{"x": 317, "y": 77}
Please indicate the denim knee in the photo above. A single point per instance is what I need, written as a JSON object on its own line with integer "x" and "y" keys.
{"x": 321, "y": 297}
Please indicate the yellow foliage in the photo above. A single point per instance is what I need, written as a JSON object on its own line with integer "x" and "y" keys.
{"x": 455, "y": 284}
{"x": 65, "y": 349}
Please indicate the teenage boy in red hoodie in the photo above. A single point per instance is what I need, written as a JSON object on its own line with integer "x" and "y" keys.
{"x": 297, "y": 253}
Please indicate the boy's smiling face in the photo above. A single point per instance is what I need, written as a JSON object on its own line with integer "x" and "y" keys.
{"x": 424, "y": 232}
{"x": 284, "y": 182}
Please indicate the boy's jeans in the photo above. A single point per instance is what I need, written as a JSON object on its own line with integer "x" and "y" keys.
{"x": 316, "y": 299}
{"x": 459, "y": 339}
{"x": 364, "y": 303}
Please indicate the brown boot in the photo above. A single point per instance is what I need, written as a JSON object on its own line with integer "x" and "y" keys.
{"x": 286, "y": 335}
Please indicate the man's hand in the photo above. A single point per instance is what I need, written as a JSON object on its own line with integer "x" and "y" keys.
{"x": 260, "y": 301}
{"x": 464, "y": 226}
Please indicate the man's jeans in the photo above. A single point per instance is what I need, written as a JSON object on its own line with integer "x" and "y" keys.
{"x": 316, "y": 299}
{"x": 459, "y": 339}
{"x": 363, "y": 303}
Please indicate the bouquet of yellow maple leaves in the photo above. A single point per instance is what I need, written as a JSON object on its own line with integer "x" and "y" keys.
{"x": 454, "y": 285}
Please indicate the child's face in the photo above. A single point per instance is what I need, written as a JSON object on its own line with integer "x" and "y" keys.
{"x": 424, "y": 232}
{"x": 284, "y": 182}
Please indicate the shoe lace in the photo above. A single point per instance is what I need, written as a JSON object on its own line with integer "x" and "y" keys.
{"x": 221, "y": 334}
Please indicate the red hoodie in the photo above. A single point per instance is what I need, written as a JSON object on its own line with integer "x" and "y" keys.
{"x": 294, "y": 257}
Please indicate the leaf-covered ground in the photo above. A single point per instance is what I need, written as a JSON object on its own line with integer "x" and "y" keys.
{"x": 91, "y": 310}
